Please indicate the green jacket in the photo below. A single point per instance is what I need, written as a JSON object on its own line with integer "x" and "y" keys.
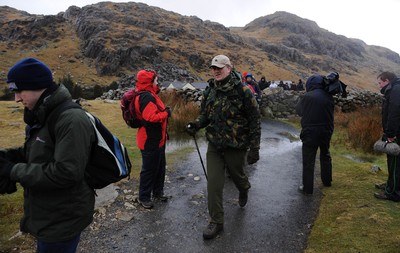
{"x": 58, "y": 203}
{"x": 230, "y": 113}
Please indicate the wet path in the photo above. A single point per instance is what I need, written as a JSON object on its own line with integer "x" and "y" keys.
{"x": 276, "y": 218}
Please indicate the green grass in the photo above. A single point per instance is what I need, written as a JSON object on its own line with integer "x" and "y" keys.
{"x": 350, "y": 218}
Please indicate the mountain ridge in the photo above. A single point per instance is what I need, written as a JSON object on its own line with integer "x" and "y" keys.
{"x": 103, "y": 42}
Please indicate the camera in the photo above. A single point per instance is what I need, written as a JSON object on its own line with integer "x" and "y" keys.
{"x": 331, "y": 78}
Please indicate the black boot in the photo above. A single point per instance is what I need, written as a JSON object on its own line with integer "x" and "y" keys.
{"x": 243, "y": 195}
{"x": 212, "y": 230}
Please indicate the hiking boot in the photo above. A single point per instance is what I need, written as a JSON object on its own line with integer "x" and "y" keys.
{"x": 381, "y": 186}
{"x": 161, "y": 198}
{"x": 383, "y": 196}
{"x": 301, "y": 189}
{"x": 243, "y": 198}
{"x": 147, "y": 204}
{"x": 212, "y": 230}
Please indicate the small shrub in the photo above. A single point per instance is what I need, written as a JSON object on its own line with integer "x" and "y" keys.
{"x": 113, "y": 86}
{"x": 363, "y": 127}
{"x": 97, "y": 91}
{"x": 77, "y": 91}
{"x": 67, "y": 81}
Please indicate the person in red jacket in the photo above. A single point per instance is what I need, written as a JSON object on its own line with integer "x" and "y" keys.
{"x": 151, "y": 138}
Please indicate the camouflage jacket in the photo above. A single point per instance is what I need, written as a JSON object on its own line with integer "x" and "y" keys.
{"x": 230, "y": 113}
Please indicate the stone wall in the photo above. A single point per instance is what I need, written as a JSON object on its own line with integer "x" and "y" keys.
{"x": 279, "y": 103}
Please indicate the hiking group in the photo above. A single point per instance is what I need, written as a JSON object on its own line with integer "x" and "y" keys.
{"x": 59, "y": 202}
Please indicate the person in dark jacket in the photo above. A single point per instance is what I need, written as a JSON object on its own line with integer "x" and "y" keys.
{"x": 263, "y": 84}
{"x": 231, "y": 115}
{"x": 390, "y": 88}
{"x": 316, "y": 109}
{"x": 58, "y": 203}
{"x": 151, "y": 138}
{"x": 253, "y": 85}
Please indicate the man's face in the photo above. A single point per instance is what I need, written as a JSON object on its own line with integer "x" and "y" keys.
{"x": 220, "y": 73}
{"x": 382, "y": 83}
{"x": 28, "y": 98}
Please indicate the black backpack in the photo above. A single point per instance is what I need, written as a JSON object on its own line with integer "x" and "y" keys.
{"x": 109, "y": 161}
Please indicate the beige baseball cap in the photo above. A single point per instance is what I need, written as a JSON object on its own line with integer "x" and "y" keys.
{"x": 220, "y": 61}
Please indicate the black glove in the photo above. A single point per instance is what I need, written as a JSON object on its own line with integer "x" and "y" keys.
{"x": 169, "y": 111}
{"x": 192, "y": 128}
{"x": 7, "y": 186}
{"x": 5, "y": 167}
{"x": 253, "y": 156}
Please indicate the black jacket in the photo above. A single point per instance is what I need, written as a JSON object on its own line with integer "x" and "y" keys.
{"x": 316, "y": 106}
{"x": 391, "y": 109}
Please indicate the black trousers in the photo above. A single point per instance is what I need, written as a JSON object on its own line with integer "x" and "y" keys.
{"x": 314, "y": 138}
{"x": 152, "y": 175}
{"x": 393, "y": 183}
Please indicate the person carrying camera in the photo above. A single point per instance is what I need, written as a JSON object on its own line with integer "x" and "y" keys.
{"x": 316, "y": 109}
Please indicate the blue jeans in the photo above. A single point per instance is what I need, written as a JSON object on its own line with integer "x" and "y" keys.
{"x": 152, "y": 175}
{"x": 58, "y": 247}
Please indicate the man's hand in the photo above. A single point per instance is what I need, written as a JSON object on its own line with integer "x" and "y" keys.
{"x": 7, "y": 186}
{"x": 192, "y": 128}
{"x": 5, "y": 167}
{"x": 253, "y": 156}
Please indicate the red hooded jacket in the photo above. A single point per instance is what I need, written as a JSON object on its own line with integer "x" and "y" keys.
{"x": 150, "y": 109}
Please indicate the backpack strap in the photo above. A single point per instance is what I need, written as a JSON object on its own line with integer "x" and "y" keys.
{"x": 138, "y": 102}
{"x": 52, "y": 118}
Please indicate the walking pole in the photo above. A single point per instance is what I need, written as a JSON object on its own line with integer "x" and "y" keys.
{"x": 201, "y": 160}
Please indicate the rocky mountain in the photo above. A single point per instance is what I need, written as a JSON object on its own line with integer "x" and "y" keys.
{"x": 105, "y": 42}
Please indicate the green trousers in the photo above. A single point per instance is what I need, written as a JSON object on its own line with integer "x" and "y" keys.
{"x": 217, "y": 160}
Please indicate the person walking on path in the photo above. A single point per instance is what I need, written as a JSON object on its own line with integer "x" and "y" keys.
{"x": 151, "y": 138}
{"x": 390, "y": 88}
{"x": 58, "y": 202}
{"x": 231, "y": 116}
{"x": 316, "y": 109}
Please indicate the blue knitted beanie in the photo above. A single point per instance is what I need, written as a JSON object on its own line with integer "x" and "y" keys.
{"x": 29, "y": 74}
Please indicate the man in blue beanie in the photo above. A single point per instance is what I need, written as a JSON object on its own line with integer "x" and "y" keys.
{"x": 58, "y": 203}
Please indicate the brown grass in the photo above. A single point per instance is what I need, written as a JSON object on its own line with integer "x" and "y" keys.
{"x": 182, "y": 112}
{"x": 363, "y": 127}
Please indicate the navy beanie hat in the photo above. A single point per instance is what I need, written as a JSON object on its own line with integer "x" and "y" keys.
{"x": 29, "y": 74}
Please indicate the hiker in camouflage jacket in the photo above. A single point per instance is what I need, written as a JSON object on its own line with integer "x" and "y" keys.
{"x": 231, "y": 116}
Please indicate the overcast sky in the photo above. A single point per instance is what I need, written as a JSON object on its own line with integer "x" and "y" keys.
{"x": 373, "y": 21}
